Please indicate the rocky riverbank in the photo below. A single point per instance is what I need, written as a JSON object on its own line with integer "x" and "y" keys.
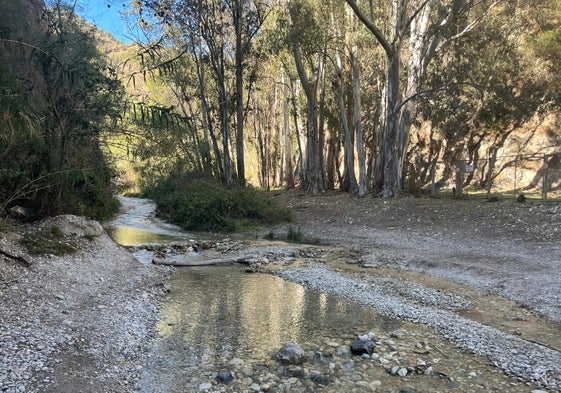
{"x": 82, "y": 321}
{"x": 439, "y": 350}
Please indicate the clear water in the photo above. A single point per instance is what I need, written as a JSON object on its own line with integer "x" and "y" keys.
{"x": 138, "y": 224}
{"x": 216, "y": 312}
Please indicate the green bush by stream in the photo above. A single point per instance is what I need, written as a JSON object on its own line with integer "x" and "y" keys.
{"x": 202, "y": 204}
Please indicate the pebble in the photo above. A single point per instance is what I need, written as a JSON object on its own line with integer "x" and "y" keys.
{"x": 28, "y": 344}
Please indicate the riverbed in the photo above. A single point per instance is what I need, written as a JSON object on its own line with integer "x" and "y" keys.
{"x": 223, "y": 319}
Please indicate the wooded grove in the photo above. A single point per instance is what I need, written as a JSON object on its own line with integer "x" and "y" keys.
{"x": 364, "y": 96}
{"x": 369, "y": 97}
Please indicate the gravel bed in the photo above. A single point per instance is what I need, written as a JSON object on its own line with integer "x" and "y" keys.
{"x": 85, "y": 321}
{"x": 528, "y": 361}
{"x": 419, "y": 294}
{"x": 77, "y": 322}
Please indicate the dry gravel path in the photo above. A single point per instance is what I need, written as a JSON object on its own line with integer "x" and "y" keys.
{"x": 80, "y": 322}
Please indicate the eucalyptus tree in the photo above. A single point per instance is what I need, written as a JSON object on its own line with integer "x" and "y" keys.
{"x": 498, "y": 87}
{"x": 220, "y": 32}
{"x": 413, "y": 30}
{"x": 306, "y": 40}
{"x": 348, "y": 182}
{"x": 349, "y": 41}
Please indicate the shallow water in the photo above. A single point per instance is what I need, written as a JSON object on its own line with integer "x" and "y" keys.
{"x": 138, "y": 224}
{"x": 221, "y": 311}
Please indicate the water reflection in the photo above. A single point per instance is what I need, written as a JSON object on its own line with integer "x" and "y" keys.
{"x": 138, "y": 224}
{"x": 129, "y": 236}
{"x": 216, "y": 311}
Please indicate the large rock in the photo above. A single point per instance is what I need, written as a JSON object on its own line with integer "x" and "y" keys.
{"x": 291, "y": 353}
{"x": 362, "y": 346}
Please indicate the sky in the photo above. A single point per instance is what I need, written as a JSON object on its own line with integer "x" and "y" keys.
{"x": 106, "y": 15}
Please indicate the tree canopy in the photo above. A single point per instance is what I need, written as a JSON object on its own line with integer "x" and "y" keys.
{"x": 312, "y": 91}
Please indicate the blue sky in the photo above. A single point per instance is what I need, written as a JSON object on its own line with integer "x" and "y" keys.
{"x": 106, "y": 15}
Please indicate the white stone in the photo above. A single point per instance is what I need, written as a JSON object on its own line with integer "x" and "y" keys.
{"x": 236, "y": 362}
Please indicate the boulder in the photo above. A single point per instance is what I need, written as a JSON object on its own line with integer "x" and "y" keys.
{"x": 291, "y": 353}
{"x": 362, "y": 346}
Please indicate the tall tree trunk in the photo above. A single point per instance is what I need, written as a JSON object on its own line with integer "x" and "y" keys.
{"x": 226, "y": 163}
{"x": 301, "y": 162}
{"x": 289, "y": 167}
{"x": 313, "y": 174}
{"x": 392, "y": 181}
{"x": 349, "y": 179}
{"x": 206, "y": 122}
{"x": 321, "y": 118}
{"x": 420, "y": 54}
{"x": 362, "y": 189}
{"x": 239, "y": 59}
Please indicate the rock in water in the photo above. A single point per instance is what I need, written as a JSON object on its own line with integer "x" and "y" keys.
{"x": 291, "y": 353}
{"x": 224, "y": 377}
{"x": 360, "y": 347}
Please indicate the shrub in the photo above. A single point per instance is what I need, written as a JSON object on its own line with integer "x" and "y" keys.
{"x": 201, "y": 204}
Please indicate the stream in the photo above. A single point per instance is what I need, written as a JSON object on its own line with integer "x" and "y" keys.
{"x": 220, "y": 319}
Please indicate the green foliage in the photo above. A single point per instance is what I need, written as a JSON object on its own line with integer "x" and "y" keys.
{"x": 548, "y": 45}
{"x": 201, "y": 204}
{"x": 297, "y": 236}
{"x": 49, "y": 240}
{"x": 306, "y": 19}
{"x": 20, "y": 143}
{"x": 56, "y": 95}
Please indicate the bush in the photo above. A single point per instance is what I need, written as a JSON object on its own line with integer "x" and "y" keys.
{"x": 202, "y": 204}
{"x": 297, "y": 236}
{"x": 55, "y": 100}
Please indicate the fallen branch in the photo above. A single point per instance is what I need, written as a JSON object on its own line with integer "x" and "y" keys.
{"x": 18, "y": 258}
{"x": 208, "y": 262}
